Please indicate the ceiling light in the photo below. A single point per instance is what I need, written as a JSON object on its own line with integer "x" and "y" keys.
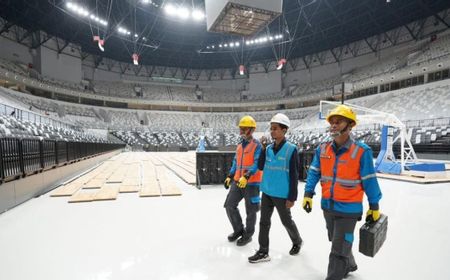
{"x": 183, "y": 13}
{"x": 237, "y": 44}
{"x": 170, "y": 9}
{"x": 198, "y": 15}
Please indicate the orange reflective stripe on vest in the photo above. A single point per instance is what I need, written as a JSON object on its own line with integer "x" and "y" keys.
{"x": 347, "y": 183}
{"x": 245, "y": 160}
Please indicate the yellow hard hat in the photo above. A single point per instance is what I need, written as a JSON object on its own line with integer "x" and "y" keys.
{"x": 343, "y": 111}
{"x": 247, "y": 121}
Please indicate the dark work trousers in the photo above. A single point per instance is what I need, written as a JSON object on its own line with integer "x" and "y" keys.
{"x": 268, "y": 203}
{"x": 340, "y": 233}
{"x": 251, "y": 195}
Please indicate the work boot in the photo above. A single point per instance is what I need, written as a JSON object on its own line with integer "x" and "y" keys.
{"x": 295, "y": 249}
{"x": 235, "y": 235}
{"x": 259, "y": 256}
{"x": 244, "y": 240}
{"x": 350, "y": 269}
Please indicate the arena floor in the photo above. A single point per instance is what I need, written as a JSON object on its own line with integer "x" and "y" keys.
{"x": 184, "y": 237}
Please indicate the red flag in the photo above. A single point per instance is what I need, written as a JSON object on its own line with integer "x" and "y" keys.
{"x": 100, "y": 42}
{"x": 241, "y": 69}
{"x": 135, "y": 57}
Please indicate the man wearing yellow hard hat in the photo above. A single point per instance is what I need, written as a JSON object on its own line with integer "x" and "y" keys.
{"x": 243, "y": 180}
{"x": 345, "y": 170}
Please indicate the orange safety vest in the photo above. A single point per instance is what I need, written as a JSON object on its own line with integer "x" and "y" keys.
{"x": 245, "y": 160}
{"x": 347, "y": 185}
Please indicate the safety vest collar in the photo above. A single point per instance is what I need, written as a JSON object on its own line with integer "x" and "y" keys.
{"x": 344, "y": 147}
{"x": 245, "y": 142}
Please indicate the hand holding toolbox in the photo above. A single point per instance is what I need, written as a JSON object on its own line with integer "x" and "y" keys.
{"x": 372, "y": 236}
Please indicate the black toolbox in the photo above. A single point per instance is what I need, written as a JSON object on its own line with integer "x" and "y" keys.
{"x": 372, "y": 236}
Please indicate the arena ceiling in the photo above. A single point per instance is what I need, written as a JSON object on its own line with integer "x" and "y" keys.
{"x": 309, "y": 26}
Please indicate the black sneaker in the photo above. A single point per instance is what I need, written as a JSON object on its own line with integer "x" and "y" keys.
{"x": 259, "y": 257}
{"x": 295, "y": 249}
{"x": 350, "y": 269}
{"x": 235, "y": 235}
{"x": 244, "y": 240}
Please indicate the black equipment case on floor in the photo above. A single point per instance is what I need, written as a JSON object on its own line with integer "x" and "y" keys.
{"x": 372, "y": 236}
{"x": 213, "y": 167}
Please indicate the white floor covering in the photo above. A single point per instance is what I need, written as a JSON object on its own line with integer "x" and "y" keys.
{"x": 185, "y": 238}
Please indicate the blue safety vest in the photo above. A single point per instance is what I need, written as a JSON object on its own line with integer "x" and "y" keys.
{"x": 275, "y": 181}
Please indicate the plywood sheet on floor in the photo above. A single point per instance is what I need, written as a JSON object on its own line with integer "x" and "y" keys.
{"x": 107, "y": 192}
{"x": 94, "y": 184}
{"x": 414, "y": 179}
{"x": 67, "y": 190}
{"x": 146, "y": 174}
{"x": 150, "y": 189}
{"x": 81, "y": 197}
{"x": 129, "y": 188}
{"x": 181, "y": 172}
{"x": 168, "y": 188}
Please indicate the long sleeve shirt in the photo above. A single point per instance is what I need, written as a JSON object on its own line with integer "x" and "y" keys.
{"x": 293, "y": 169}
{"x": 367, "y": 171}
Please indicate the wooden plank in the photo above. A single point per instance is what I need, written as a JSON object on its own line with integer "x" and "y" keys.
{"x": 168, "y": 188}
{"x": 104, "y": 175}
{"x": 183, "y": 174}
{"x": 129, "y": 188}
{"x": 132, "y": 174}
{"x": 81, "y": 197}
{"x": 149, "y": 181}
{"x": 161, "y": 172}
{"x": 67, "y": 190}
{"x": 131, "y": 181}
{"x": 156, "y": 161}
{"x": 94, "y": 184}
{"x": 180, "y": 165}
{"x": 115, "y": 178}
{"x": 150, "y": 189}
{"x": 107, "y": 192}
{"x": 413, "y": 179}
